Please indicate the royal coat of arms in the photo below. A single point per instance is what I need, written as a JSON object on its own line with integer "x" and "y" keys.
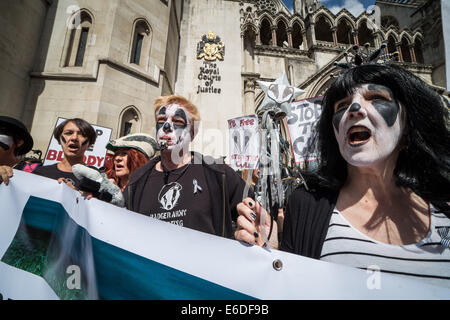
{"x": 210, "y": 48}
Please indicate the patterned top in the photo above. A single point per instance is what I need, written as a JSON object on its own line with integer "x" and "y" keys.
{"x": 428, "y": 260}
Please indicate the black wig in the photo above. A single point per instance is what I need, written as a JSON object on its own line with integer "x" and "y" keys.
{"x": 423, "y": 164}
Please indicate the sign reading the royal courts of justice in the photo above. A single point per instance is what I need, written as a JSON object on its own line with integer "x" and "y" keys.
{"x": 210, "y": 49}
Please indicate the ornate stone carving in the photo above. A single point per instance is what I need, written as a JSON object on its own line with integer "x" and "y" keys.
{"x": 210, "y": 48}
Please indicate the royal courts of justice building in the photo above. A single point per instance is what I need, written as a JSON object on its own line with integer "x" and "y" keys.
{"x": 107, "y": 60}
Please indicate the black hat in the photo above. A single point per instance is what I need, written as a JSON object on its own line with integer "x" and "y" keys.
{"x": 17, "y": 129}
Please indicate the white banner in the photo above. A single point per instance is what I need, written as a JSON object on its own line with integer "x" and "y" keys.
{"x": 244, "y": 142}
{"x": 55, "y": 244}
{"x": 301, "y": 125}
{"x": 94, "y": 156}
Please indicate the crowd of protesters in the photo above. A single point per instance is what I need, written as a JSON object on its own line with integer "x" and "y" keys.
{"x": 379, "y": 195}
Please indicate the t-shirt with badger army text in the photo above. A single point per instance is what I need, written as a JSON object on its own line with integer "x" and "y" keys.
{"x": 183, "y": 200}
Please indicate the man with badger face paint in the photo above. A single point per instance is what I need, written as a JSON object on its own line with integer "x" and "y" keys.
{"x": 379, "y": 194}
{"x": 174, "y": 132}
{"x": 182, "y": 187}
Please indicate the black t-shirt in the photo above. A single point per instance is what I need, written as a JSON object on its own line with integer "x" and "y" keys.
{"x": 53, "y": 172}
{"x": 184, "y": 200}
{"x": 27, "y": 166}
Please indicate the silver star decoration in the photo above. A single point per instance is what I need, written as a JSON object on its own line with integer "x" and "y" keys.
{"x": 278, "y": 96}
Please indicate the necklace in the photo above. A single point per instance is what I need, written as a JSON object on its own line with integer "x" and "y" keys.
{"x": 168, "y": 172}
{"x": 177, "y": 172}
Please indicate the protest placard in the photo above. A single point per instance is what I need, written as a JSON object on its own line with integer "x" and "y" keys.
{"x": 301, "y": 125}
{"x": 244, "y": 142}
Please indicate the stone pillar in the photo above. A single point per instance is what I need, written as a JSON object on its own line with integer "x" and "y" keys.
{"x": 242, "y": 52}
{"x": 355, "y": 37}
{"x": 258, "y": 39}
{"x": 249, "y": 95}
{"x": 377, "y": 39}
{"x": 304, "y": 39}
{"x": 334, "y": 33}
{"x": 412, "y": 53}
{"x": 312, "y": 28}
{"x": 274, "y": 36}
{"x": 398, "y": 47}
{"x": 291, "y": 75}
{"x": 289, "y": 34}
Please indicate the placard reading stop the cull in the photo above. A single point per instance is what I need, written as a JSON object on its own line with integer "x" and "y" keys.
{"x": 301, "y": 123}
{"x": 95, "y": 154}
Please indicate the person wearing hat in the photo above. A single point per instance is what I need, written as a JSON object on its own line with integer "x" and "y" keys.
{"x": 130, "y": 152}
{"x": 15, "y": 140}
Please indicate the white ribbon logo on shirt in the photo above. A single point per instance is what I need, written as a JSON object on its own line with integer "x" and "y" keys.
{"x": 196, "y": 186}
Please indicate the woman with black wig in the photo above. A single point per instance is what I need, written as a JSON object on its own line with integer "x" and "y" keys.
{"x": 379, "y": 194}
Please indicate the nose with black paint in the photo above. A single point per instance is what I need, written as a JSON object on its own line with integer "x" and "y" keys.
{"x": 356, "y": 110}
{"x": 167, "y": 127}
{"x": 354, "y": 107}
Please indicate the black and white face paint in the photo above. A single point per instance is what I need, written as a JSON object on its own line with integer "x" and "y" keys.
{"x": 368, "y": 125}
{"x": 6, "y": 142}
{"x": 173, "y": 127}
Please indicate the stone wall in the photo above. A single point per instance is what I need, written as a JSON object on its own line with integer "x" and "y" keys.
{"x": 22, "y": 23}
{"x": 222, "y": 18}
{"x": 107, "y": 83}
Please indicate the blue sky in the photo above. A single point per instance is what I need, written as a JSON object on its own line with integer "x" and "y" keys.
{"x": 356, "y": 7}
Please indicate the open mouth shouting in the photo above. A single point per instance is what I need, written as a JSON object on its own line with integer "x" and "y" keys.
{"x": 119, "y": 166}
{"x": 358, "y": 135}
{"x": 169, "y": 140}
{"x": 73, "y": 147}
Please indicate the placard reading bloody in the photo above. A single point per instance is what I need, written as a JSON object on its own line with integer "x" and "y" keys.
{"x": 94, "y": 156}
{"x": 244, "y": 142}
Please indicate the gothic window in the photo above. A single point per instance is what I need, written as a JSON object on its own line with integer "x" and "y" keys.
{"x": 297, "y": 38}
{"x": 344, "y": 32}
{"x": 281, "y": 34}
{"x": 418, "y": 51}
{"x": 323, "y": 29}
{"x": 387, "y": 21}
{"x": 265, "y": 33}
{"x": 267, "y": 5}
{"x": 140, "y": 45}
{"x": 391, "y": 47}
{"x": 365, "y": 35}
{"x": 406, "y": 54}
{"x": 76, "y": 46}
{"x": 130, "y": 122}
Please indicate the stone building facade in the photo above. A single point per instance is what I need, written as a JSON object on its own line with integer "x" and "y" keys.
{"x": 107, "y": 60}
{"x": 103, "y": 61}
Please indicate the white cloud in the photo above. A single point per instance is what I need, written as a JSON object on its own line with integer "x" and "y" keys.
{"x": 354, "y": 6}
